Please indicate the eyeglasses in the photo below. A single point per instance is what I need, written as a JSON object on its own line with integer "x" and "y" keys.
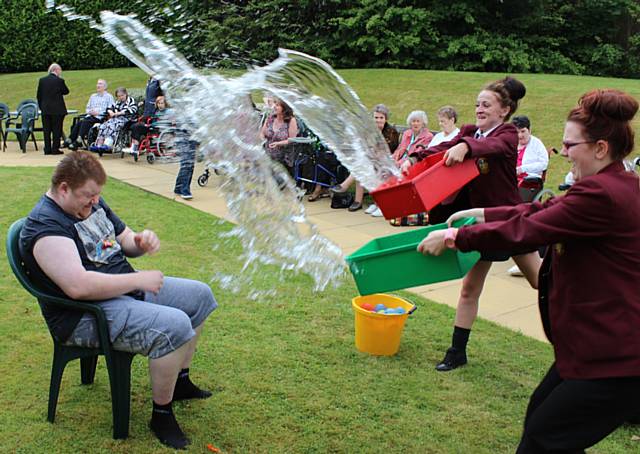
{"x": 568, "y": 145}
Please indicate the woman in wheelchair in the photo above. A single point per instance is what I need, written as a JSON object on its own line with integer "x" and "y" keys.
{"x": 532, "y": 161}
{"x": 162, "y": 115}
{"x": 119, "y": 114}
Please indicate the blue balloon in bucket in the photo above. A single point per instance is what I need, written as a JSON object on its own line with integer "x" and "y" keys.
{"x": 379, "y": 307}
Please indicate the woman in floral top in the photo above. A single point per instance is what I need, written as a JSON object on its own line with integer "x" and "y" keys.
{"x": 277, "y": 130}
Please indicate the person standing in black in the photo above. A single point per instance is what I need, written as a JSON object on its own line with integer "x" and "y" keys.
{"x": 51, "y": 90}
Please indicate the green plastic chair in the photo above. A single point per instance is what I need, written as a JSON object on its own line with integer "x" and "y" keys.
{"x": 118, "y": 363}
{"x": 24, "y": 124}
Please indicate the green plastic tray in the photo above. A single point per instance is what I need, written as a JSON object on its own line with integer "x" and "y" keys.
{"x": 392, "y": 262}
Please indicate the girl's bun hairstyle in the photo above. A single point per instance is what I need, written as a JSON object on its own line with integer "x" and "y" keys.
{"x": 509, "y": 91}
{"x": 606, "y": 114}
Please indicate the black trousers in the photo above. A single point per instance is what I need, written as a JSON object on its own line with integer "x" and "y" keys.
{"x": 52, "y": 125}
{"x": 139, "y": 130}
{"x": 82, "y": 127}
{"x": 568, "y": 416}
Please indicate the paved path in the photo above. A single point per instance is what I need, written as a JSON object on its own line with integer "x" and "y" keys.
{"x": 505, "y": 300}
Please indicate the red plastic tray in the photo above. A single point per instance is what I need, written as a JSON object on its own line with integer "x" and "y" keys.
{"x": 429, "y": 182}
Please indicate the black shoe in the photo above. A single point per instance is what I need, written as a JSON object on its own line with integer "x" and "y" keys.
{"x": 452, "y": 360}
{"x": 73, "y": 146}
{"x": 355, "y": 206}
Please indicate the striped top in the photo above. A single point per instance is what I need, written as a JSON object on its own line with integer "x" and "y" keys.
{"x": 129, "y": 106}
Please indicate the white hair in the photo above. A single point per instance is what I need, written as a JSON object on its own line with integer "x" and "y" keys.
{"x": 54, "y": 67}
{"x": 104, "y": 82}
{"x": 420, "y": 115}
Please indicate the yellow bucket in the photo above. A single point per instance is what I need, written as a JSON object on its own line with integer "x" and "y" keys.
{"x": 379, "y": 334}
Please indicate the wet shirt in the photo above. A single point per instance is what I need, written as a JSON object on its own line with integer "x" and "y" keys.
{"x": 95, "y": 240}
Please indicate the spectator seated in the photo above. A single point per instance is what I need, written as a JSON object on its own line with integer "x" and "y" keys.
{"x": 96, "y": 112}
{"x": 119, "y": 116}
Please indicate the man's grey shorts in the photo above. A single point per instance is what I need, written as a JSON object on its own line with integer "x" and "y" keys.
{"x": 154, "y": 327}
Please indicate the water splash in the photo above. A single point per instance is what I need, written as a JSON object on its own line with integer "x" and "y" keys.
{"x": 261, "y": 198}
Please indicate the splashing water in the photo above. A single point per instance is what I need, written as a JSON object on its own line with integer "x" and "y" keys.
{"x": 261, "y": 197}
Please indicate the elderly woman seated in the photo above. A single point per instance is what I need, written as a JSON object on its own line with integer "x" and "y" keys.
{"x": 447, "y": 117}
{"x": 380, "y": 117}
{"x": 122, "y": 111}
{"x": 162, "y": 116}
{"x": 418, "y": 135}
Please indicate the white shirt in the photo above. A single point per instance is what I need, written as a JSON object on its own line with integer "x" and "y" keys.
{"x": 535, "y": 159}
{"x": 479, "y": 133}
{"x": 441, "y": 137}
{"x": 99, "y": 102}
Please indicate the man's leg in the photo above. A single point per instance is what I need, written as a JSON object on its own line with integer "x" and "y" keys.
{"x": 46, "y": 131}
{"x": 170, "y": 373}
{"x": 75, "y": 130}
{"x": 56, "y": 128}
{"x": 187, "y": 162}
{"x": 196, "y": 300}
{"x": 163, "y": 372}
{"x": 163, "y": 333}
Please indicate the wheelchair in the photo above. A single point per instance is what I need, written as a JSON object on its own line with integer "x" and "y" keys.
{"x": 121, "y": 141}
{"x": 314, "y": 164}
{"x": 530, "y": 187}
{"x": 87, "y": 139}
{"x": 163, "y": 144}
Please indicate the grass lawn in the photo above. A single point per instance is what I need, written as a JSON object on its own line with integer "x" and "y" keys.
{"x": 549, "y": 97}
{"x": 286, "y": 375}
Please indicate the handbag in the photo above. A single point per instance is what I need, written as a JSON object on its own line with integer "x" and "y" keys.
{"x": 342, "y": 200}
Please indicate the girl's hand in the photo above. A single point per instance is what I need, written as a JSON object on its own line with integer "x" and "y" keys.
{"x": 405, "y": 166}
{"x": 477, "y": 213}
{"x": 433, "y": 244}
{"x": 456, "y": 154}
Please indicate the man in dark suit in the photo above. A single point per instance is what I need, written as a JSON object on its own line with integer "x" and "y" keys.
{"x": 51, "y": 90}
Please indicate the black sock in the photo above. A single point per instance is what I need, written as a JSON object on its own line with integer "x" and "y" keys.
{"x": 163, "y": 423}
{"x": 185, "y": 389}
{"x": 460, "y": 338}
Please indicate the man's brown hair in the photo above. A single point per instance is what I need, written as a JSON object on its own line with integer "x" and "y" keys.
{"x": 76, "y": 169}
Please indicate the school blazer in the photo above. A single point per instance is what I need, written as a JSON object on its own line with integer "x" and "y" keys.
{"x": 497, "y": 156}
{"x": 589, "y": 283}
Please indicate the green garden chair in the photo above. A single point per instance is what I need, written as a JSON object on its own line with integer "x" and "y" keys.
{"x": 22, "y": 126}
{"x": 118, "y": 363}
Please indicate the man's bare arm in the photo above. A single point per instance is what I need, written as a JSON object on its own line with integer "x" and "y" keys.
{"x": 136, "y": 244}
{"x": 59, "y": 259}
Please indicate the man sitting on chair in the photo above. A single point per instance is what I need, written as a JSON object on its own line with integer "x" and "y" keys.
{"x": 97, "y": 107}
{"x": 73, "y": 242}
